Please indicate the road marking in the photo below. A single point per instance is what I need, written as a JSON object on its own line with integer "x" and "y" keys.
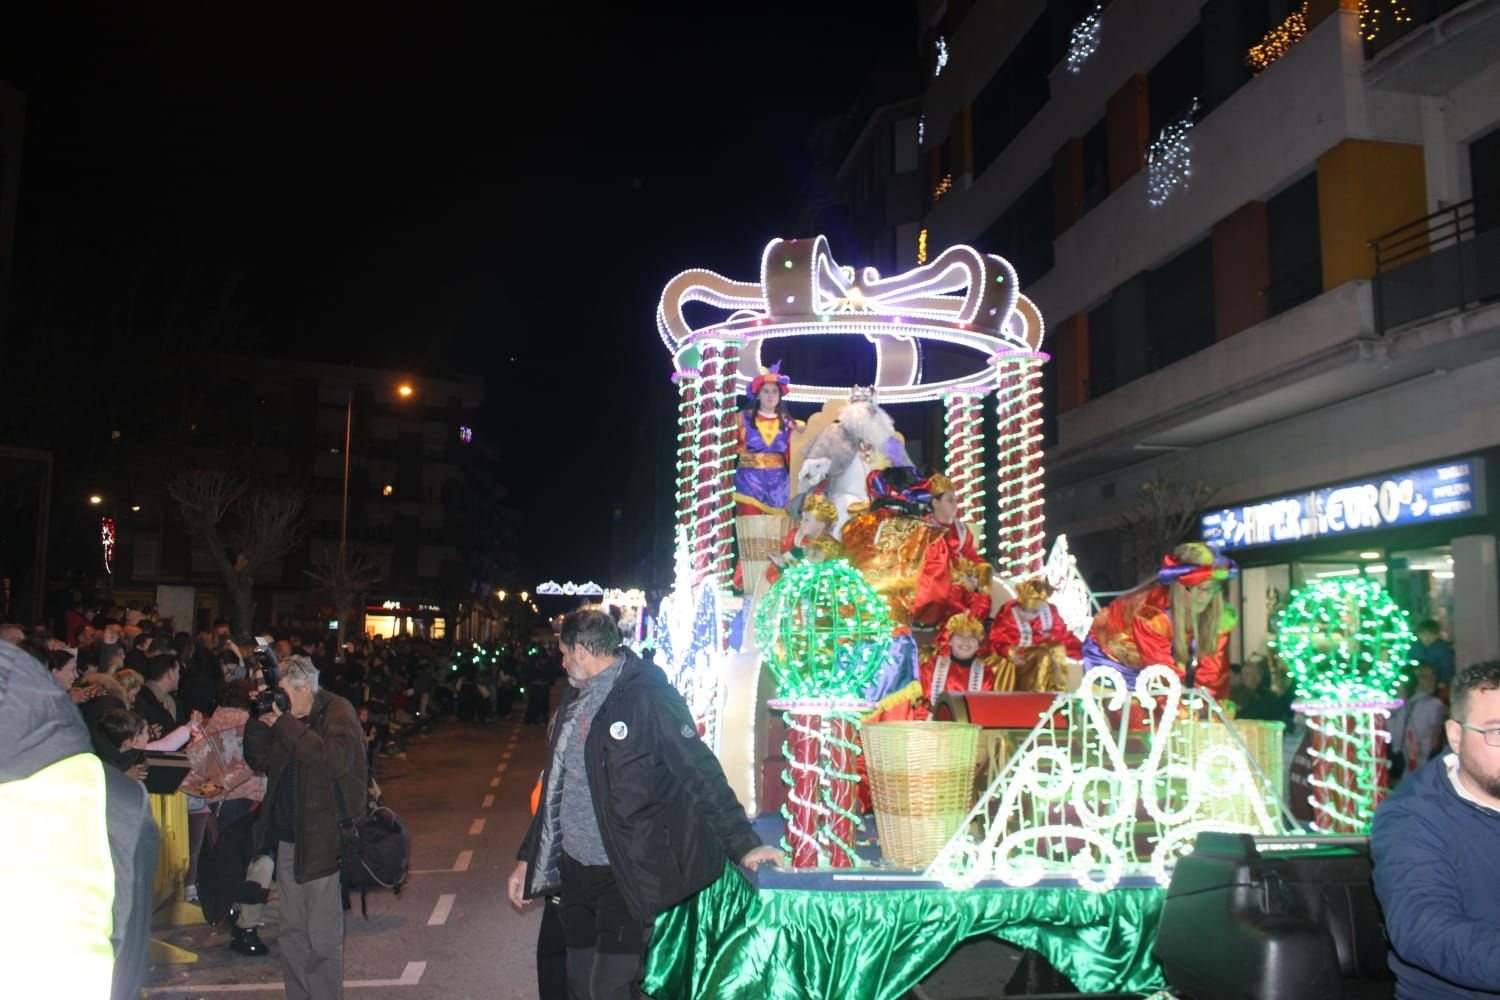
{"x": 441, "y": 910}
{"x": 461, "y": 864}
{"x": 505, "y": 755}
{"x": 494, "y": 782}
{"x": 476, "y": 828}
{"x": 501, "y": 768}
{"x": 410, "y": 976}
{"x": 489, "y": 800}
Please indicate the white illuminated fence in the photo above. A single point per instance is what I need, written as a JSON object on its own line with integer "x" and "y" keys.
{"x": 1112, "y": 782}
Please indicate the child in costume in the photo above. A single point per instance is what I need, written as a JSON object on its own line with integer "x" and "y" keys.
{"x": 818, "y": 516}
{"x": 961, "y": 666}
{"x": 1177, "y": 620}
{"x": 954, "y": 579}
{"x": 1030, "y": 632}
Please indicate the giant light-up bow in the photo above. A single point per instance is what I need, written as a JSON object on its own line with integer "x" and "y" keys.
{"x": 962, "y": 297}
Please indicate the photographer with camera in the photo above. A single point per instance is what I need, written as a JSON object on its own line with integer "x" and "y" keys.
{"x": 309, "y": 744}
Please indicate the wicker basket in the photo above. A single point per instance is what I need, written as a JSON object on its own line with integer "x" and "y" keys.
{"x": 922, "y": 783}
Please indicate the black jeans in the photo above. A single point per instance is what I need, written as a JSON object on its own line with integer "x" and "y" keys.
{"x": 606, "y": 944}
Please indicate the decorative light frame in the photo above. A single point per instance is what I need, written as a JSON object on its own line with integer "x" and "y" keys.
{"x": 1069, "y": 783}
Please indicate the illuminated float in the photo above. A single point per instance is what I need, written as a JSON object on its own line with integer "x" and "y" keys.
{"x": 1109, "y": 780}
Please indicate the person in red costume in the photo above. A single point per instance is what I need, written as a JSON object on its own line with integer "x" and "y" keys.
{"x": 961, "y": 666}
{"x": 1176, "y": 620}
{"x": 818, "y": 517}
{"x": 1025, "y": 625}
{"x": 954, "y": 579}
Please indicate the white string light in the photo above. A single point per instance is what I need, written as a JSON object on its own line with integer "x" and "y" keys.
{"x": 1084, "y": 41}
{"x": 1169, "y": 159}
{"x": 942, "y": 56}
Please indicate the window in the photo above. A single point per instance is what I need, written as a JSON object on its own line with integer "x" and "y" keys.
{"x": 1095, "y": 166}
{"x": 1180, "y": 306}
{"x": 1014, "y": 95}
{"x": 1023, "y": 232}
{"x": 1176, "y": 80}
{"x": 1294, "y": 243}
{"x": 1101, "y": 350}
{"x": 1484, "y": 180}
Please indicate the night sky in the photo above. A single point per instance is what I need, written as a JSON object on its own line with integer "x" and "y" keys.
{"x": 435, "y": 188}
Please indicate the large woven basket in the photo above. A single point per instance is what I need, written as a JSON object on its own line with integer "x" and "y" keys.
{"x": 922, "y": 784}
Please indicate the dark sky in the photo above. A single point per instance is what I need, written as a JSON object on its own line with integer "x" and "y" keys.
{"x": 436, "y": 188}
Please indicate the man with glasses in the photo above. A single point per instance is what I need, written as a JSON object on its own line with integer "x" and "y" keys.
{"x": 1436, "y": 846}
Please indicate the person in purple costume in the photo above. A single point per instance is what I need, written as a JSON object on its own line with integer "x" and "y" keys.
{"x": 764, "y": 437}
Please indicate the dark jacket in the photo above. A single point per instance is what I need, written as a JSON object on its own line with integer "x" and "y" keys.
{"x": 329, "y": 745}
{"x": 159, "y": 721}
{"x": 666, "y": 813}
{"x": 1437, "y": 866}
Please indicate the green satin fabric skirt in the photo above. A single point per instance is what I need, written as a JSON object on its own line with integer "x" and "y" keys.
{"x": 734, "y": 941}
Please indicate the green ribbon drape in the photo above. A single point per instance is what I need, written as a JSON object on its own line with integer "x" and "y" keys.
{"x": 735, "y": 941}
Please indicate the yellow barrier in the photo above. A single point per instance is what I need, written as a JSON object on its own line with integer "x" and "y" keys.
{"x": 168, "y": 899}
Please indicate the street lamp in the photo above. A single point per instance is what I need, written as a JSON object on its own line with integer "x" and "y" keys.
{"x": 404, "y": 390}
{"x": 500, "y": 594}
{"x": 95, "y": 499}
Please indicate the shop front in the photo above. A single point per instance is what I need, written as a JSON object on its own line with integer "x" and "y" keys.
{"x": 391, "y": 618}
{"x": 1426, "y": 534}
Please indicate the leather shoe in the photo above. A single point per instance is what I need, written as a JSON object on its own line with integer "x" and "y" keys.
{"x": 246, "y": 941}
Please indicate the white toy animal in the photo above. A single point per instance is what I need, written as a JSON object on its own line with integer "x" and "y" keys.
{"x": 860, "y": 440}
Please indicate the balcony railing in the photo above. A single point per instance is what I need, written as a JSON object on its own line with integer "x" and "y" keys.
{"x": 1447, "y": 260}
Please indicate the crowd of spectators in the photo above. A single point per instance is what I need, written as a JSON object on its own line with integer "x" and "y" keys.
{"x": 151, "y": 695}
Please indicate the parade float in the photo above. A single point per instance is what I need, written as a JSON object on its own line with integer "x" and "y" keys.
{"x": 827, "y": 587}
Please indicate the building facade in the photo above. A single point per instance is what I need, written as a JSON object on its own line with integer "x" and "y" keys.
{"x": 426, "y": 510}
{"x": 1266, "y": 237}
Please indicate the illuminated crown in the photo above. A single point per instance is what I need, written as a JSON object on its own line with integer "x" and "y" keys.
{"x": 1033, "y": 590}
{"x": 939, "y": 484}
{"x": 965, "y": 624}
{"x": 961, "y": 298}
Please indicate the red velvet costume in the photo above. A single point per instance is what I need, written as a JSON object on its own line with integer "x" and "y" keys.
{"x": 939, "y": 672}
{"x": 1016, "y": 630}
{"x": 939, "y": 596}
{"x": 1135, "y": 631}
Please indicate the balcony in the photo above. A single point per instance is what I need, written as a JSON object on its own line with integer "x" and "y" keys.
{"x": 1325, "y": 351}
{"x": 1443, "y": 44}
{"x": 1446, "y": 261}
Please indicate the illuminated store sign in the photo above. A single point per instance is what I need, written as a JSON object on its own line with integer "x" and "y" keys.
{"x": 1416, "y": 496}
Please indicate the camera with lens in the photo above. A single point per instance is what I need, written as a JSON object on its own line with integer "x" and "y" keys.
{"x": 272, "y": 698}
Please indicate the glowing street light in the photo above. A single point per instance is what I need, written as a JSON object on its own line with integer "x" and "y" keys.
{"x": 95, "y": 499}
{"x": 525, "y": 595}
{"x": 500, "y": 594}
{"x": 404, "y": 390}
{"x": 135, "y": 508}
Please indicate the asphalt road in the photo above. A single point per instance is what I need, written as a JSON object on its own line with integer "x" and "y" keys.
{"x": 464, "y": 790}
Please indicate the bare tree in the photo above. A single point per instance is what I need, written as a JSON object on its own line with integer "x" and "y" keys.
{"x": 243, "y": 528}
{"x": 344, "y": 582}
{"x": 1166, "y": 512}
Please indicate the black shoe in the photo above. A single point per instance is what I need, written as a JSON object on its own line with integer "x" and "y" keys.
{"x": 246, "y": 941}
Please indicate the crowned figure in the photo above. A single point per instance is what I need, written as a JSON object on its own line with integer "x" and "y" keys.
{"x": 1176, "y": 619}
{"x": 957, "y": 663}
{"x": 812, "y": 538}
{"x": 1030, "y": 632}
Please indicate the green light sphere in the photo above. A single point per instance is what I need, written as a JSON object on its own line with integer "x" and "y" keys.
{"x": 1344, "y": 640}
{"x": 823, "y": 631}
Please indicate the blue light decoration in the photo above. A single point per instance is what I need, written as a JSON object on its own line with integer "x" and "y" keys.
{"x": 1411, "y": 496}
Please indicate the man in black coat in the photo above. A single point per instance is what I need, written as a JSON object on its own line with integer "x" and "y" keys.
{"x": 635, "y": 813}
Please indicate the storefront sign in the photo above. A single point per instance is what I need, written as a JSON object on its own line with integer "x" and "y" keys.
{"x": 399, "y": 608}
{"x": 1416, "y": 496}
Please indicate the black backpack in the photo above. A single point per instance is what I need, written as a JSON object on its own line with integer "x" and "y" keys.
{"x": 375, "y": 853}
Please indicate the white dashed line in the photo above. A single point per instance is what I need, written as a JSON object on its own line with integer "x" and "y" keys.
{"x": 459, "y": 865}
{"x": 410, "y": 976}
{"x": 489, "y": 800}
{"x": 441, "y": 910}
{"x": 476, "y": 828}
{"x": 494, "y": 782}
{"x": 501, "y": 768}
